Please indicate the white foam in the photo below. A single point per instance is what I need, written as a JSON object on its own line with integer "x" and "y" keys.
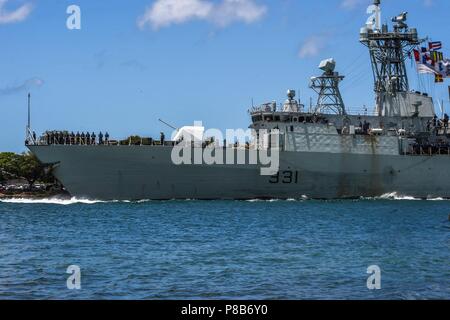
{"x": 143, "y": 201}
{"x": 57, "y": 201}
{"x": 275, "y": 200}
{"x": 396, "y": 196}
{"x": 437, "y": 199}
{"x": 74, "y": 200}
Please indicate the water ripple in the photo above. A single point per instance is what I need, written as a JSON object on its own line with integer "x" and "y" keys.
{"x": 225, "y": 249}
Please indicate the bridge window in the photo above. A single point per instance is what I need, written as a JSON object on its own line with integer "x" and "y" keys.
{"x": 256, "y": 118}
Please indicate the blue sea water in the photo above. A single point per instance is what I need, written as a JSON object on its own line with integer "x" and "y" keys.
{"x": 225, "y": 249}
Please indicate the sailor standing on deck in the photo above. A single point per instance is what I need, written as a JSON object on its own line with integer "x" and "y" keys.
{"x": 435, "y": 122}
{"x": 100, "y": 138}
{"x": 366, "y": 127}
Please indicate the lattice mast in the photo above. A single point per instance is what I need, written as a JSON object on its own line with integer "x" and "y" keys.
{"x": 327, "y": 87}
{"x": 388, "y": 52}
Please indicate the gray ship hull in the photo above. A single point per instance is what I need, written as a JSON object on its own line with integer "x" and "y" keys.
{"x": 147, "y": 172}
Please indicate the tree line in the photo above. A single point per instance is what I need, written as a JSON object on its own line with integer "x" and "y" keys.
{"x": 23, "y": 166}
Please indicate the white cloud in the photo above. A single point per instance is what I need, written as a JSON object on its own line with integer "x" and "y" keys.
{"x": 312, "y": 46}
{"x": 428, "y": 3}
{"x": 230, "y": 11}
{"x": 164, "y": 13}
{"x": 22, "y": 87}
{"x": 12, "y": 16}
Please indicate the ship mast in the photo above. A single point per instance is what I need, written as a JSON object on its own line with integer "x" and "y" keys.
{"x": 388, "y": 52}
{"x": 28, "y": 134}
{"x": 327, "y": 87}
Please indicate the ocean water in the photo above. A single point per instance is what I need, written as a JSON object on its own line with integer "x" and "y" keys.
{"x": 225, "y": 249}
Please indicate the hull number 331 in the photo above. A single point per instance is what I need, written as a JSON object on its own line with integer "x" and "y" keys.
{"x": 286, "y": 177}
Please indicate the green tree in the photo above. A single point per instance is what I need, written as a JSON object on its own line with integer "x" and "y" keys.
{"x": 25, "y": 166}
{"x": 31, "y": 169}
{"x": 2, "y": 177}
{"x": 9, "y": 164}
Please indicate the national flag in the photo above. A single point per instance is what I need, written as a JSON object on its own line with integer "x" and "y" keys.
{"x": 436, "y": 45}
{"x": 423, "y": 68}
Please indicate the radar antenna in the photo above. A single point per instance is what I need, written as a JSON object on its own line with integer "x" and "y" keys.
{"x": 388, "y": 52}
{"x": 327, "y": 87}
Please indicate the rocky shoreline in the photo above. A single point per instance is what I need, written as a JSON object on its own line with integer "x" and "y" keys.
{"x": 35, "y": 195}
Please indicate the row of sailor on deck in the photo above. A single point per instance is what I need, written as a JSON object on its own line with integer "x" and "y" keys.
{"x": 436, "y": 124}
{"x": 430, "y": 148}
{"x": 58, "y": 137}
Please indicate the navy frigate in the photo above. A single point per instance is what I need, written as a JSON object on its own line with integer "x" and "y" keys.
{"x": 325, "y": 152}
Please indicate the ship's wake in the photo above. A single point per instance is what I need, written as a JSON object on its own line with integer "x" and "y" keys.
{"x": 58, "y": 201}
{"x": 72, "y": 201}
{"x": 398, "y": 196}
{"x": 387, "y": 196}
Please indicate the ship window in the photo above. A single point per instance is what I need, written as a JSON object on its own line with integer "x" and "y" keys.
{"x": 277, "y": 118}
{"x": 295, "y": 119}
{"x": 292, "y": 128}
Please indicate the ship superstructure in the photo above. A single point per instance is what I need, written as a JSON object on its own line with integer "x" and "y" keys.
{"x": 325, "y": 152}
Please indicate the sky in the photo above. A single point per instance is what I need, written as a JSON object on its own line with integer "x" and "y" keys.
{"x": 133, "y": 62}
